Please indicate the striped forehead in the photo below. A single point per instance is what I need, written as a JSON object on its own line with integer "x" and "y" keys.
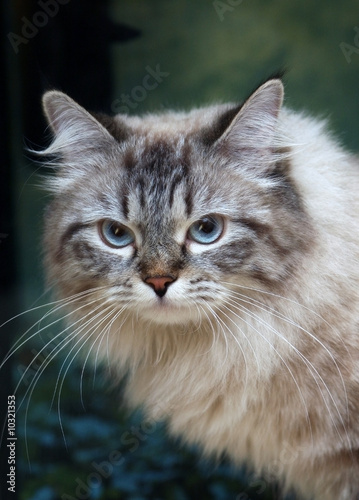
{"x": 158, "y": 177}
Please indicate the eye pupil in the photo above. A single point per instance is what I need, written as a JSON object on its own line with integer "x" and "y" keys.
{"x": 117, "y": 231}
{"x": 207, "y": 225}
{"x": 206, "y": 230}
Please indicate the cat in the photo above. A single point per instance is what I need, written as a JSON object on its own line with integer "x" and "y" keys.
{"x": 212, "y": 256}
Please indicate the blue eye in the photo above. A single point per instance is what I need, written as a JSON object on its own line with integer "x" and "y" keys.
{"x": 206, "y": 230}
{"x": 116, "y": 235}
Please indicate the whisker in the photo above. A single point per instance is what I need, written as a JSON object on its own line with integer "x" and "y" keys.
{"x": 102, "y": 334}
{"x": 75, "y": 333}
{"x": 87, "y": 335}
{"x": 59, "y": 304}
{"x": 52, "y": 340}
{"x": 280, "y": 357}
{"x": 235, "y": 339}
{"x": 277, "y": 314}
{"x": 302, "y": 306}
{"x": 221, "y": 325}
{"x": 200, "y": 307}
{"x": 311, "y": 367}
{"x": 34, "y": 381}
{"x": 108, "y": 337}
{"x": 58, "y": 348}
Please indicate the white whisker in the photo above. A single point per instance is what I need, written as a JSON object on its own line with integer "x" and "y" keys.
{"x": 307, "y": 363}
{"x": 105, "y": 332}
{"x": 214, "y": 339}
{"x": 277, "y": 314}
{"x": 235, "y": 340}
{"x": 87, "y": 335}
{"x": 280, "y": 357}
{"x": 58, "y": 305}
{"x": 51, "y": 341}
{"x": 58, "y": 348}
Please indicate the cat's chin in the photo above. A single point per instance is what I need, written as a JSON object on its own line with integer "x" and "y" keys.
{"x": 169, "y": 315}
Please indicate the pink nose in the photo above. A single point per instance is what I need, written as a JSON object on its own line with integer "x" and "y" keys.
{"x": 159, "y": 283}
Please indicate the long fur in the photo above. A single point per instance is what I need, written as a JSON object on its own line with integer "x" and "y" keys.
{"x": 254, "y": 349}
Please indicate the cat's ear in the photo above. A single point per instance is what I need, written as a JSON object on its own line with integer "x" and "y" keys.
{"x": 74, "y": 127}
{"x": 254, "y": 126}
{"x": 80, "y": 141}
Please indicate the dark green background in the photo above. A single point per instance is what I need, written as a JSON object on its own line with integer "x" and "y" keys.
{"x": 210, "y": 55}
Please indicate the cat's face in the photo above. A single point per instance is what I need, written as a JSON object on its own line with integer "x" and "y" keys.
{"x": 163, "y": 214}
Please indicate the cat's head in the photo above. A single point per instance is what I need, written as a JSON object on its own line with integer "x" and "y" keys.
{"x": 164, "y": 214}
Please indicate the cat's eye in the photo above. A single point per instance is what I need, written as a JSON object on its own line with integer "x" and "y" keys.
{"x": 206, "y": 230}
{"x": 115, "y": 234}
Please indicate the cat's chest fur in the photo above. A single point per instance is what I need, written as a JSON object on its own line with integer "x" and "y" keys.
{"x": 250, "y": 397}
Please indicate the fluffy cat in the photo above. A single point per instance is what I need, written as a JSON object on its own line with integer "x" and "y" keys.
{"x": 213, "y": 257}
